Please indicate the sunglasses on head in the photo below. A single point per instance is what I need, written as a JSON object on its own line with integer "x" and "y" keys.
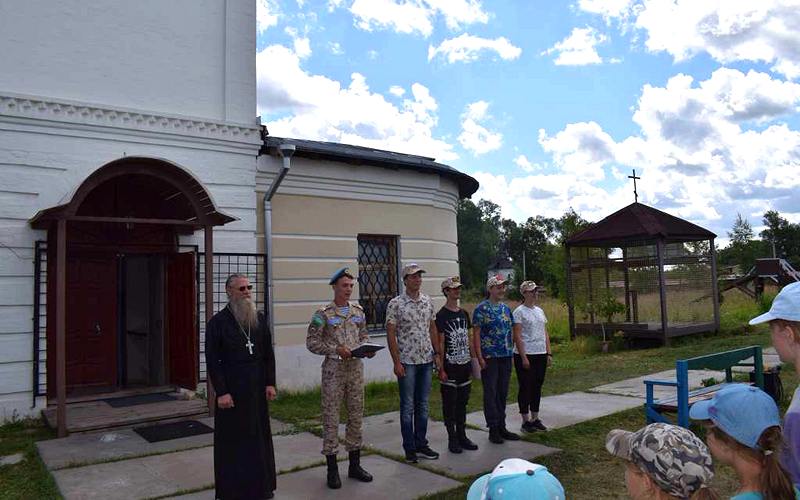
{"x": 243, "y": 288}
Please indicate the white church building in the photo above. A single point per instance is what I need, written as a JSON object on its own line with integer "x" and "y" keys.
{"x": 129, "y": 147}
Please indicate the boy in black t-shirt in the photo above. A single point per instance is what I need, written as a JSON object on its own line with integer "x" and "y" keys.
{"x": 454, "y": 329}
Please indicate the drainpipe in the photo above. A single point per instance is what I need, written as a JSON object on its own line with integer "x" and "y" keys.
{"x": 286, "y": 151}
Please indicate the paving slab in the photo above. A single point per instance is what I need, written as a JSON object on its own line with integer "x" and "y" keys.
{"x": 180, "y": 470}
{"x": 139, "y": 477}
{"x": 382, "y": 433}
{"x": 565, "y": 409}
{"x": 393, "y": 480}
{"x": 634, "y": 387}
{"x": 95, "y": 447}
{"x": 12, "y": 459}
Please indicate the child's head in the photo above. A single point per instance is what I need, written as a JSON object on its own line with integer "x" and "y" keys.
{"x": 517, "y": 479}
{"x": 664, "y": 461}
{"x": 744, "y": 430}
{"x": 784, "y": 322}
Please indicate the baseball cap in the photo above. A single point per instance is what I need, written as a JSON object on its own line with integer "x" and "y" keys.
{"x": 741, "y": 411}
{"x": 674, "y": 458}
{"x": 412, "y": 268}
{"x": 527, "y": 286}
{"x": 453, "y": 282}
{"x": 495, "y": 280}
{"x": 342, "y": 271}
{"x": 517, "y": 479}
{"x": 786, "y": 306}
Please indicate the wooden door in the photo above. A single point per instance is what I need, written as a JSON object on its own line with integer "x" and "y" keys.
{"x": 181, "y": 300}
{"x": 91, "y": 322}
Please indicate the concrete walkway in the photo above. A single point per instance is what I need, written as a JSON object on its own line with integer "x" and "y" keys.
{"x": 122, "y": 465}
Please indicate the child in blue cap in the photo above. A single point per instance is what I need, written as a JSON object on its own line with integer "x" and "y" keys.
{"x": 784, "y": 324}
{"x": 517, "y": 479}
{"x": 744, "y": 432}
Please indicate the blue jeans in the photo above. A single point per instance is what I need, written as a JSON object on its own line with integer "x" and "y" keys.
{"x": 414, "y": 390}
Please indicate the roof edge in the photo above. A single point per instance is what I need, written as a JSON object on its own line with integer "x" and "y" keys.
{"x": 360, "y": 155}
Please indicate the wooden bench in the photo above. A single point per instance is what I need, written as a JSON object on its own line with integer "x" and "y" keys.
{"x": 684, "y": 398}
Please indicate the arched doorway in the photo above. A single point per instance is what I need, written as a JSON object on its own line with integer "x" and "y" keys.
{"x": 129, "y": 291}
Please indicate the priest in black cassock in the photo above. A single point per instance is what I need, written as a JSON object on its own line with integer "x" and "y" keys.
{"x": 241, "y": 364}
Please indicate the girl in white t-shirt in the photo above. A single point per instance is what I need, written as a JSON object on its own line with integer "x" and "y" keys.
{"x": 532, "y": 355}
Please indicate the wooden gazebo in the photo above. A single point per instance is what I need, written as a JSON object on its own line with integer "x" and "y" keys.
{"x": 642, "y": 272}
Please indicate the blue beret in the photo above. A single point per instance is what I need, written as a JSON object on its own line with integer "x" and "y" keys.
{"x": 344, "y": 271}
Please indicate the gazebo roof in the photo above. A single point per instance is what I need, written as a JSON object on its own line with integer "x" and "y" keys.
{"x": 638, "y": 222}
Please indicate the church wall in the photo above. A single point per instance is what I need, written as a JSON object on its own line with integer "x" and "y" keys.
{"x": 192, "y": 58}
{"x": 320, "y": 210}
{"x": 47, "y": 148}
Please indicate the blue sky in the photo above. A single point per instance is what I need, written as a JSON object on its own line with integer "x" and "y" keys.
{"x": 551, "y": 104}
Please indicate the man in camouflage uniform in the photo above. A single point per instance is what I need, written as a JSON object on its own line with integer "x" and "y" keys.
{"x": 335, "y": 330}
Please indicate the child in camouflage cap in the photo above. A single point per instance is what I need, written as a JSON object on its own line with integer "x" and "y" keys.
{"x": 664, "y": 462}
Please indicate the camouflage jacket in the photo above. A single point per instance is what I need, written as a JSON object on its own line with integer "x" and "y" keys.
{"x": 329, "y": 329}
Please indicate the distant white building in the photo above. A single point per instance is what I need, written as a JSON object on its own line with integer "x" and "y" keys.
{"x": 127, "y": 134}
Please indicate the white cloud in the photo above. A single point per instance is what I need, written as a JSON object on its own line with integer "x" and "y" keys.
{"x": 526, "y": 165}
{"x": 335, "y": 48}
{"x": 468, "y": 48}
{"x": 416, "y": 16}
{"x": 474, "y": 136}
{"x": 697, "y": 156}
{"x": 397, "y": 90}
{"x": 579, "y": 48}
{"x": 759, "y": 31}
{"x": 372, "y": 54}
{"x": 303, "y": 105}
{"x": 609, "y": 9}
{"x": 267, "y": 12}
{"x": 302, "y": 45}
{"x": 334, "y": 4}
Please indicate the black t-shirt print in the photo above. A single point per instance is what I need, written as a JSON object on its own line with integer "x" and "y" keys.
{"x": 454, "y": 325}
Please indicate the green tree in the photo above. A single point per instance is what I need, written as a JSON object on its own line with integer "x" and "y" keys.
{"x": 478, "y": 236}
{"x": 784, "y": 235}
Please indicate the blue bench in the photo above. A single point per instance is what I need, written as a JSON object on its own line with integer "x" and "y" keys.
{"x": 656, "y": 408}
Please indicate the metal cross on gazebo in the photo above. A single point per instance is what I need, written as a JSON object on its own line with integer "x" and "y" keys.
{"x": 635, "y": 194}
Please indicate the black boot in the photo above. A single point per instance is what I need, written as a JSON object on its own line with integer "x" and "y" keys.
{"x": 494, "y": 435}
{"x": 452, "y": 439}
{"x": 508, "y": 435}
{"x": 334, "y": 482}
{"x": 463, "y": 440}
{"x": 355, "y": 471}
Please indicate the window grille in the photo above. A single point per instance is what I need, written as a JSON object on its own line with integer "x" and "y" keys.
{"x": 377, "y": 277}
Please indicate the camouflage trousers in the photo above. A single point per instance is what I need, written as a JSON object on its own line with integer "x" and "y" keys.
{"x": 342, "y": 380}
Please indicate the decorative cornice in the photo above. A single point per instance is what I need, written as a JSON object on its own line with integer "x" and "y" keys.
{"x": 103, "y": 116}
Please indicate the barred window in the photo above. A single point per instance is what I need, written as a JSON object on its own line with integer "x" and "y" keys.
{"x": 377, "y": 276}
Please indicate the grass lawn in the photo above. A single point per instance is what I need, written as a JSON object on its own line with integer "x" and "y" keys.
{"x": 583, "y": 466}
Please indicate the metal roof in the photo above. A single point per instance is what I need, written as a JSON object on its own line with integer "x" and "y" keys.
{"x": 638, "y": 222}
{"x": 359, "y": 155}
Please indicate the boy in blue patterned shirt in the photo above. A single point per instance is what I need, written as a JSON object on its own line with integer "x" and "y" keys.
{"x": 494, "y": 349}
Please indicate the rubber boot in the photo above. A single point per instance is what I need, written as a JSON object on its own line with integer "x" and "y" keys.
{"x": 452, "y": 439}
{"x": 463, "y": 440}
{"x": 334, "y": 482}
{"x": 355, "y": 471}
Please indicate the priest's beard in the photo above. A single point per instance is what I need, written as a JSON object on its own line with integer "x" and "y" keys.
{"x": 244, "y": 310}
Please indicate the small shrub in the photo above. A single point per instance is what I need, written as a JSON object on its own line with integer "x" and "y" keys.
{"x": 585, "y": 345}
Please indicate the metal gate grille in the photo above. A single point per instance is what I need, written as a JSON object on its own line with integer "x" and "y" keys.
{"x": 252, "y": 265}
{"x": 377, "y": 276}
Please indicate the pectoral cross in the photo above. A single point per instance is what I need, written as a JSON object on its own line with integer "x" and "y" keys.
{"x": 635, "y": 194}
{"x": 249, "y": 346}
